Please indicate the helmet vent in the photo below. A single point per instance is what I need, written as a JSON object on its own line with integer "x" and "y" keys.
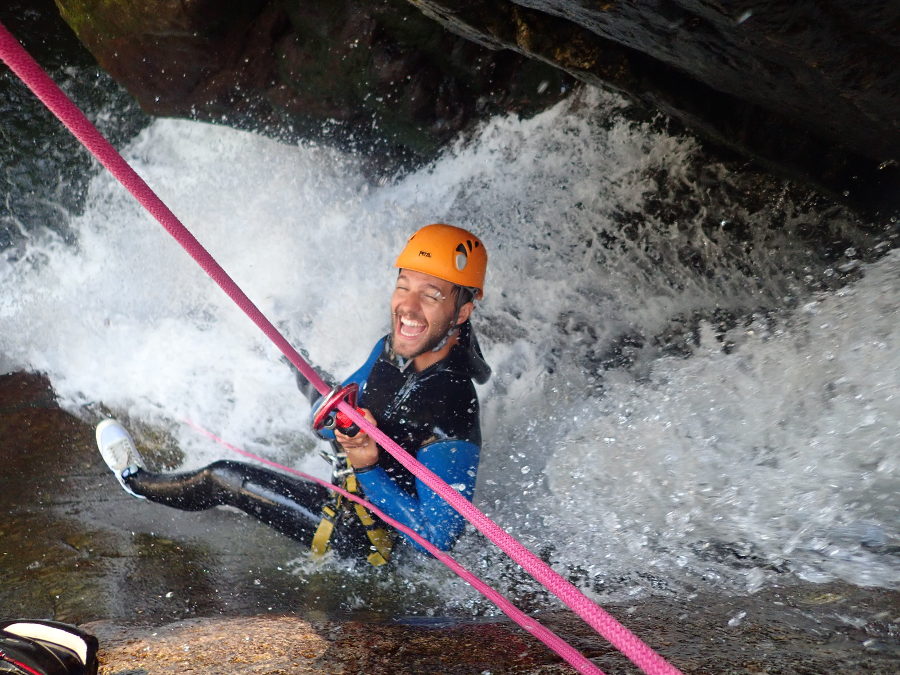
{"x": 462, "y": 257}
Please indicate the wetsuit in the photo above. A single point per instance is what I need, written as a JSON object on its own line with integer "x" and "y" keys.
{"x": 432, "y": 414}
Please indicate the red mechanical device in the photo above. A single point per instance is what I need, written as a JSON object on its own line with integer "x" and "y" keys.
{"x": 328, "y": 417}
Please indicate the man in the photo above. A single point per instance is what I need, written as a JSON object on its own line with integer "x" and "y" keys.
{"x": 416, "y": 386}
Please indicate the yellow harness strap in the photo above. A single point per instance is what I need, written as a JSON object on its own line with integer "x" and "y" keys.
{"x": 323, "y": 532}
{"x": 380, "y": 539}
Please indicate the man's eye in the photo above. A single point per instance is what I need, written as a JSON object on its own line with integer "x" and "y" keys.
{"x": 431, "y": 299}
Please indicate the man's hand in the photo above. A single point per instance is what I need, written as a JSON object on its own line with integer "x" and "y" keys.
{"x": 362, "y": 451}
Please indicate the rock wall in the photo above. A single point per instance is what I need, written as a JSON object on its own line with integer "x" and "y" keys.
{"x": 807, "y": 87}
{"x": 362, "y": 72}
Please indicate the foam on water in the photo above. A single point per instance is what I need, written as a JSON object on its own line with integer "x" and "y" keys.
{"x": 780, "y": 456}
{"x": 775, "y": 455}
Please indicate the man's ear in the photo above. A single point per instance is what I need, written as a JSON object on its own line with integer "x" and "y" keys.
{"x": 464, "y": 313}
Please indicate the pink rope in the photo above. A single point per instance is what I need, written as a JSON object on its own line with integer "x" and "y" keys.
{"x": 71, "y": 116}
{"x": 575, "y": 658}
{"x": 618, "y": 635}
{"x": 28, "y": 70}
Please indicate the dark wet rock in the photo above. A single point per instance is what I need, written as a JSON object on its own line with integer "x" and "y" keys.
{"x": 214, "y": 592}
{"x": 808, "y": 88}
{"x": 805, "y": 86}
{"x": 359, "y": 72}
{"x": 780, "y": 631}
{"x": 288, "y": 644}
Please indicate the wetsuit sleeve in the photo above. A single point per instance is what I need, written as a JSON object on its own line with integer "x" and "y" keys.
{"x": 362, "y": 374}
{"x": 360, "y": 377}
{"x": 426, "y": 512}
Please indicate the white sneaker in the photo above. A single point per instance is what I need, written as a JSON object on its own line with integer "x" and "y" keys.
{"x": 119, "y": 452}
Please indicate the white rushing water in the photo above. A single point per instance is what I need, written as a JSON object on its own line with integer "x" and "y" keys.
{"x": 718, "y": 469}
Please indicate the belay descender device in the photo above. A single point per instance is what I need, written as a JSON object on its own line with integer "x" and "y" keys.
{"x": 327, "y": 416}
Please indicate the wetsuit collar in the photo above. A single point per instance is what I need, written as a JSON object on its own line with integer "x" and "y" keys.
{"x": 465, "y": 357}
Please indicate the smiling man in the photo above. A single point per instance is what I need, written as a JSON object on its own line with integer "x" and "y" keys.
{"x": 416, "y": 386}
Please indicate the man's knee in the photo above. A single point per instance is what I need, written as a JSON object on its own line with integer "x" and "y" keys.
{"x": 225, "y": 475}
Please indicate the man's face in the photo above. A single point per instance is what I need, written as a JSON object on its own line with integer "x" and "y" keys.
{"x": 423, "y": 310}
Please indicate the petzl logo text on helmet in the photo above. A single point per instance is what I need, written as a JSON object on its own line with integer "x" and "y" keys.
{"x": 425, "y": 254}
{"x": 462, "y": 257}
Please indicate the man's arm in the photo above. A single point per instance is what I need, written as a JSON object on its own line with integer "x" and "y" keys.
{"x": 456, "y": 462}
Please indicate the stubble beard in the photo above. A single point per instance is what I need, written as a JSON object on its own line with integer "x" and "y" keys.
{"x": 430, "y": 344}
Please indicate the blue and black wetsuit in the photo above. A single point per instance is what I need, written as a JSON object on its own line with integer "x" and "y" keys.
{"x": 432, "y": 414}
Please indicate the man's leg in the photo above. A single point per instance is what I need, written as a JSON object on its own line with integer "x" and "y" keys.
{"x": 291, "y": 506}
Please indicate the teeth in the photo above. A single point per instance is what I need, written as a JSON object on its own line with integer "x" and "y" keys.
{"x": 410, "y": 328}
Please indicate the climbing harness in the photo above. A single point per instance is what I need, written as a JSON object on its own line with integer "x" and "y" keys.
{"x": 327, "y": 416}
{"x": 74, "y": 119}
{"x": 380, "y": 540}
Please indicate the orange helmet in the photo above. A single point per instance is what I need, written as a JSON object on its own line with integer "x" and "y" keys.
{"x": 449, "y": 253}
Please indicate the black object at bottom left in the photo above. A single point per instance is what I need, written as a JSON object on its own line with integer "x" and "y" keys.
{"x": 39, "y": 647}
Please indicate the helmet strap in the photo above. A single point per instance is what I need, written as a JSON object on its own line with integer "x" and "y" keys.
{"x": 450, "y": 333}
{"x": 463, "y": 295}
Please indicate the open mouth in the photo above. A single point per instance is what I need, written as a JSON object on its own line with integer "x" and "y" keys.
{"x": 410, "y": 328}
